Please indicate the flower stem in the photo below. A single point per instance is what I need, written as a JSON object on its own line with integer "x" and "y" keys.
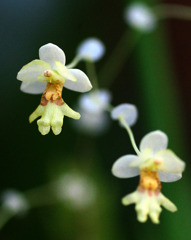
{"x": 117, "y": 58}
{"x": 75, "y": 61}
{"x": 173, "y": 11}
{"x": 91, "y": 72}
{"x": 5, "y": 216}
{"x": 130, "y": 133}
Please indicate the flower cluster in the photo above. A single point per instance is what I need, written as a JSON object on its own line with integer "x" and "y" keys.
{"x": 48, "y": 76}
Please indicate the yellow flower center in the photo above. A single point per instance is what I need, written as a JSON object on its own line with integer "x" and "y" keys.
{"x": 149, "y": 180}
{"x": 52, "y": 93}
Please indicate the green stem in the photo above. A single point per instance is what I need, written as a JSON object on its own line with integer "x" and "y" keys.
{"x": 130, "y": 133}
{"x": 5, "y": 216}
{"x": 91, "y": 72}
{"x": 118, "y": 57}
{"x": 75, "y": 61}
{"x": 173, "y": 11}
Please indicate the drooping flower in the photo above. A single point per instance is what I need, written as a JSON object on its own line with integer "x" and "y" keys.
{"x": 91, "y": 48}
{"x": 93, "y": 106}
{"x": 154, "y": 164}
{"x": 140, "y": 17}
{"x": 48, "y": 76}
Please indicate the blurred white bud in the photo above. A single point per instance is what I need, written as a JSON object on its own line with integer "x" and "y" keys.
{"x": 91, "y": 48}
{"x": 14, "y": 202}
{"x": 127, "y": 111}
{"x": 76, "y": 189}
{"x": 140, "y": 16}
{"x": 92, "y": 107}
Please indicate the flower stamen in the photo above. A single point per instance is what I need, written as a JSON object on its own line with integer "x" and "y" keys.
{"x": 149, "y": 180}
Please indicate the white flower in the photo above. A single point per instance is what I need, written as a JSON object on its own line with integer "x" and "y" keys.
{"x": 140, "y": 17}
{"x": 148, "y": 203}
{"x": 154, "y": 157}
{"x": 126, "y": 111}
{"x": 49, "y": 75}
{"x": 14, "y": 202}
{"x": 94, "y": 119}
{"x": 51, "y": 68}
{"x": 76, "y": 189}
{"x": 154, "y": 163}
{"x": 91, "y": 48}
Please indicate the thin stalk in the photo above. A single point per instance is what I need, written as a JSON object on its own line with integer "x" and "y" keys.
{"x": 91, "y": 72}
{"x": 117, "y": 59}
{"x": 130, "y": 133}
{"x": 75, "y": 61}
{"x": 5, "y": 216}
{"x": 173, "y": 11}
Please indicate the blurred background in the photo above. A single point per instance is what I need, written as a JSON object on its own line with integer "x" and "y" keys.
{"x": 151, "y": 71}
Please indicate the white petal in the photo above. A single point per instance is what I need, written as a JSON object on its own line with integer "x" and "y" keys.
{"x": 122, "y": 169}
{"x": 169, "y": 177}
{"x": 63, "y": 71}
{"x": 51, "y": 53}
{"x": 33, "y": 87}
{"x": 31, "y": 71}
{"x": 141, "y": 17}
{"x": 127, "y": 111}
{"x": 155, "y": 141}
{"x": 169, "y": 162}
{"x": 82, "y": 84}
{"x": 92, "y": 48}
{"x": 95, "y": 101}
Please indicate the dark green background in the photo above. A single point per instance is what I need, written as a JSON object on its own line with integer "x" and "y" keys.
{"x": 156, "y": 77}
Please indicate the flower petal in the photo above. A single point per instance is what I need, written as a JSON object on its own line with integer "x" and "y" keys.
{"x": 169, "y": 177}
{"x": 63, "y": 71}
{"x": 155, "y": 141}
{"x": 122, "y": 169}
{"x": 166, "y": 203}
{"x": 169, "y": 162}
{"x": 33, "y": 87}
{"x": 91, "y": 48}
{"x": 51, "y": 53}
{"x": 127, "y": 111}
{"x": 82, "y": 84}
{"x": 31, "y": 71}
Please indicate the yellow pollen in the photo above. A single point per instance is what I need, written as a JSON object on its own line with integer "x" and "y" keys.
{"x": 149, "y": 180}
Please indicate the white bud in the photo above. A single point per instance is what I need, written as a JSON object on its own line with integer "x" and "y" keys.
{"x": 127, "y": 111}
{"x": 94, "y": 118}
{"x": 76, "y": 189}
{"x": 14, "y": 201}
{"x": 91, "y": 48}
{"x": 140, "y": 16}
{"x": 96, "y": 101}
